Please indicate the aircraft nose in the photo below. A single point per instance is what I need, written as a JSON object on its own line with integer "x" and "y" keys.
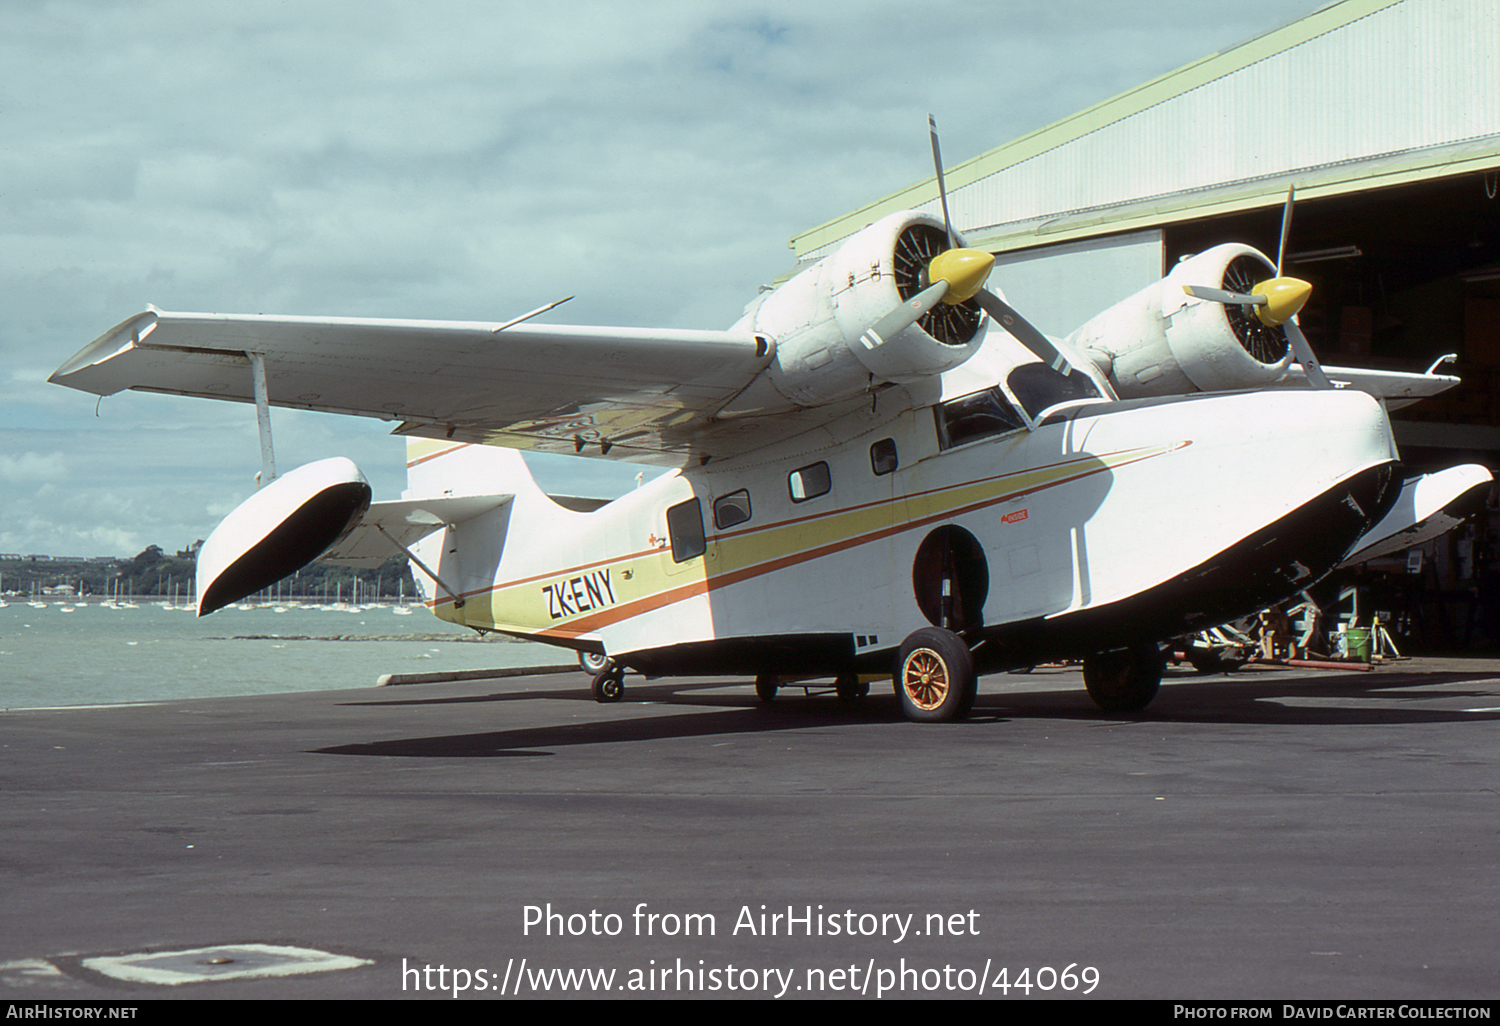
{"x": 1317, "y": 431}
{"x": 1326, "y": 438}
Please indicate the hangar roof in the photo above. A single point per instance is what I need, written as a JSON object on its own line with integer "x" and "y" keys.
{"x": 1359, "y": 95}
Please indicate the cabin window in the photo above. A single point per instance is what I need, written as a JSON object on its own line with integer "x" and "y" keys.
{"x": 883, "y": 458}
{"x": 685, "y": 528}
{"x": 732, "y": 509}
{"x": 1038, "y": 387}
{"x": 971, "y": 417}
{"x": 809, "y": 482}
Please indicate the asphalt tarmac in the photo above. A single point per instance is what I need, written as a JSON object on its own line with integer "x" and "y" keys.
{"x": 1274, "y": 834}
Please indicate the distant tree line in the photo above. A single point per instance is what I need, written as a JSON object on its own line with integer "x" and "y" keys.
{"x": 153, "y": 572}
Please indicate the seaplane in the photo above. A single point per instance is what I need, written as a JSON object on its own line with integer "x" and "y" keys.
{"x": 881, "y": 470}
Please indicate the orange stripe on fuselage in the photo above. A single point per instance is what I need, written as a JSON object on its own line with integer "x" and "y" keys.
{"x": 624, "y": 611}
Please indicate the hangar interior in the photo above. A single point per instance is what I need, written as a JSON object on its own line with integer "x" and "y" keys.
{"x": 1401, "y": 276}
{"x": 1381, "y": 114}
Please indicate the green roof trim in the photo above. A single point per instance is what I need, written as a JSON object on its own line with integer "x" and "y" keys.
{"x": 1158, "y": 90}
{"x": 1383, "y": 171}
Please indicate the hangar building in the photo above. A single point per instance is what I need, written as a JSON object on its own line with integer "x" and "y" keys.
{"x": 1385, "y": 116}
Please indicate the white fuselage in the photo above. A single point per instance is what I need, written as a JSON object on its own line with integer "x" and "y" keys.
{"x": 1099, "y": 505}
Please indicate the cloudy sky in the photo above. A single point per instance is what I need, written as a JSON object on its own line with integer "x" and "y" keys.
{"x": 461, "y": 160}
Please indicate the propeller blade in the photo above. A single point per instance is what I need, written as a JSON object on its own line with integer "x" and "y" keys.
{"x": 1221, "y": 296}
{"x": 1278, "y": 298}
{"x": 904, "y": 316}
{"x": 937, "y": 160}
{"x": 1023, "y": 330}
{"x": 1286, "y": 228}
{"x": 1304, "y": 354}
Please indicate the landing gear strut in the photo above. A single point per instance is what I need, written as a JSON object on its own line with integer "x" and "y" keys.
{"x": 1124, "y": 680}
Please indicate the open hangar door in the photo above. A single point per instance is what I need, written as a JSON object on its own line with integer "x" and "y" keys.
{"x": 1401, "y": 276}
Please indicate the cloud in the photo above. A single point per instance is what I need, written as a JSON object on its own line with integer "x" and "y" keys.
{"x": 466, "y": 161}
{"x": 29, "y": 467}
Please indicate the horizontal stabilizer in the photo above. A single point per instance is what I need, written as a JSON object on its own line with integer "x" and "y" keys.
{"x": 387, "y": 528}
{"x": 279, "y": 530}
{"x": 1430, "y": 505}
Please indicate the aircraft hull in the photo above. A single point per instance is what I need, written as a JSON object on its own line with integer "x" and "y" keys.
{"x": 1106, "y": 526}
{"x": 1268, "y": 566}
{"x": 1259, "y": 570}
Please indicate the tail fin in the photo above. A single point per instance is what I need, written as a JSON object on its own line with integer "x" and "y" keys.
{"x": 452, "y": 562}
{"x": 440, "y": 468}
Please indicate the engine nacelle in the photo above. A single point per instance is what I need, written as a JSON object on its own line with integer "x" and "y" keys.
{"x": 1161, "y": 341}
{"x": 819, "y": 320}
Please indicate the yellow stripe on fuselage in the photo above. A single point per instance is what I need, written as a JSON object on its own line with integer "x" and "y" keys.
{"x": 641, "y": 583}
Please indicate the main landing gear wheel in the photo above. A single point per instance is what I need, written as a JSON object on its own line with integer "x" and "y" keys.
{"x": 766, "y": 685}
{"x": 1124, "y": 680}
{"x": 934, "y": 677}
{"x": 593, "y": 663}
{"x": 850, "y": 688}
{"x": 609, "y": 686}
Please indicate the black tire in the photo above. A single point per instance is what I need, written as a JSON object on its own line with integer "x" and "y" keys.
{"x": 850, "y": 688}
{"x": 1205, "y": 662}
{"x": 765, "y": 687}
{"x": 1124, "y": 680}
{"x": 593, "y": 663}
{"x": 608, "y": 686}
{"x": 934, "y": 676}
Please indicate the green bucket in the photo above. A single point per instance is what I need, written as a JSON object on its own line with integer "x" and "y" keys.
{"x": 1357, "y": 643}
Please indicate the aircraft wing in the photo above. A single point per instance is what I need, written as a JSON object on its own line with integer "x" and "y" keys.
{"x": 1397, "y": 388}
{"x": 626, "y": 393}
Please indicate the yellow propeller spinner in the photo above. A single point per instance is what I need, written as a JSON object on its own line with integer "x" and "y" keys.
{"x": 1284, "y": 297}
{"x": 965, "y": 271}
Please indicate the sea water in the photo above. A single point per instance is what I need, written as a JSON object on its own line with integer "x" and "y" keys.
{"x": 95, "y": 653}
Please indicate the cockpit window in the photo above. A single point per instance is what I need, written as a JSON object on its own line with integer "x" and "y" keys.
{"x": 975, "y": 416}
{"x": 1037, "y": 387}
